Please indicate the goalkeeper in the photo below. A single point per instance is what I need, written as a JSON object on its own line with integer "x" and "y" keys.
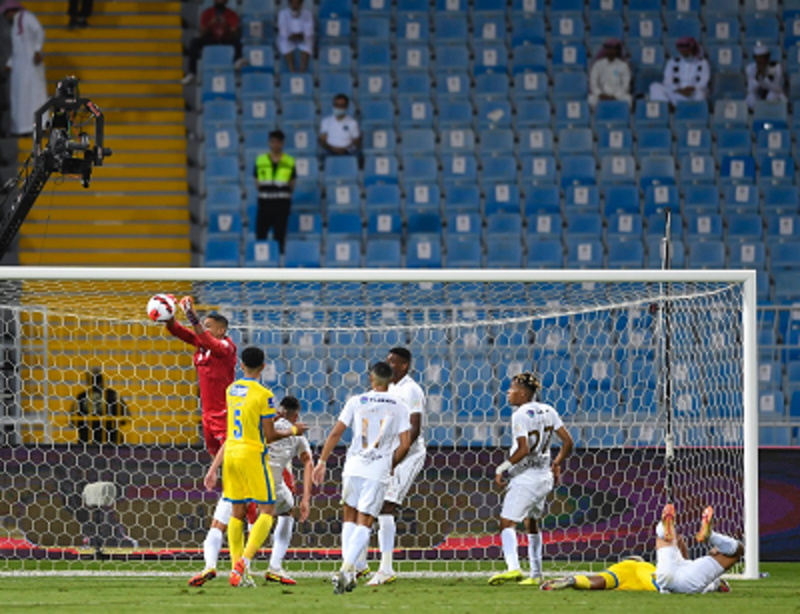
{"x": 630, "y": 574}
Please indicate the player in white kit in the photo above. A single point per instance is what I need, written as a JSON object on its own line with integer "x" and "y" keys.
{"x": 408, "y": 391}
{"x": 532, "y": 475}
{"x": 381, "y": 439}
{"x": 281, "y": 454}
{"x": 677, "y": 574}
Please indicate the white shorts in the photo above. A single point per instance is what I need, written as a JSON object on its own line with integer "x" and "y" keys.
{"x": 223, "y": 512}
{"x": 287, "y": 46}
{"x": 404, "y": 475}
{"x": 284, "y": 499}
{"x": 674, "y": 574}
{"x": 526, "y": 495}
{"x": 364, "y": 495}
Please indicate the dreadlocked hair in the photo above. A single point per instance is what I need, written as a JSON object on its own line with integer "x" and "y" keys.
{"x": 529, "y": 380}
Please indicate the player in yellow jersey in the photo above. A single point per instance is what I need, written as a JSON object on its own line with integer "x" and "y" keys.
{"x": 631, "y": 574}
{"x": 245, "y": 463}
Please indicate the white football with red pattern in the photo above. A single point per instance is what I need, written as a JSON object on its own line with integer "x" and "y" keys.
{"x": 161, "y": 307}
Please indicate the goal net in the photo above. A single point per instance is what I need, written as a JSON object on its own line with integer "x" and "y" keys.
{"x": 102, "y": 457}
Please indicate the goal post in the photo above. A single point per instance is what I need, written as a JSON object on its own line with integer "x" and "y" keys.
{"x": 589, "y": 333}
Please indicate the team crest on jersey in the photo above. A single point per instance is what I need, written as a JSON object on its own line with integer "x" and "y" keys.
{"x": 364, "y": 400}
{"x": 271, "y": 402}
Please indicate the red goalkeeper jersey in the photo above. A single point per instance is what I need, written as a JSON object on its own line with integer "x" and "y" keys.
{"x": 215, "y": 361}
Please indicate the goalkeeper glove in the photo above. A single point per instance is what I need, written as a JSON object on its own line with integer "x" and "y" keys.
{"x": 187, "y": 305}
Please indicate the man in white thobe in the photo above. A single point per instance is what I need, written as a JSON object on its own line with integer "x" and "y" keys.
{"x": 685, "y": 77}
{"x": 764, "y": 78}
{"x": 296, "y": 33}
{"x": 26, "y": 64}
{"x": 610, "y": 76}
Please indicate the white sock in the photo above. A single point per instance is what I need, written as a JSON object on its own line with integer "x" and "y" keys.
{"x": 509, "y": 538}
{"x": 361, "y": 559}
{"x": 280, "y": 541}
{"x": 358, "y": 541}
{"x": 211, "y": 547}
{"x": 347, "y": 535}
{"x": 660, "y": 530}
{"x": 726, "y": 545}
{"x": 535, "y": 554}
{"x": 386, "y": 533}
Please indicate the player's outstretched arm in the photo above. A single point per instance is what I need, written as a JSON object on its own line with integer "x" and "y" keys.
{"x": 210, "y": 480}
{"x": 271, "y": 434}
{"x": 308, "y": 468}
{"x": 567, "y": 445}
{"x": 330, "y": 443}
{"x": 176, "y": 329}
{"x": 401, "y": 450}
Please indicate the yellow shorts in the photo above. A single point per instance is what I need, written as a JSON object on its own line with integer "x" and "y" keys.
{"x": 246, "y": 477}
{"x": 630, "y": 576}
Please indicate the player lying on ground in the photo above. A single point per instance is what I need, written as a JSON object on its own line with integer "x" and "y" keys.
{"x": 404, "y": 475}
{"x": 280, "y": 460}
{"x": 532, "y": 476}
{"x": 215, "y": 361}
{"x": 675, "y": 573}
{"x": 246, "y": 476}
{"x": 630, "y": 574}
{"x": 381, "y": 439}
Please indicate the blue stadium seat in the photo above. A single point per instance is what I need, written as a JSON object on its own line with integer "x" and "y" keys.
{"x": 717, "y": 8}
{"x": 494, "y": 114}
{"x": 221, "y": 114}
{"x": 301, "y": 253}
{"x": 486, "y": 7}
{"x": 297, "y": 87}
{"x": 491, "y": 85}
{"x": 783, "y": 227}
{"x": 451, "y": 59}
{"x": 528, "y": 31}
{"x": 491, "y": 58}
{"x": 544, "y": 226}
{"x": 698, "y": 169}
{"x": 425, "y": 223}
{"x": 647, "y": 60}
{"x": 423, "y": 198}
{"x": 577, "y": 170}
{"x": 334, "y": 30}
{"x": 571, "y": 113}
{"x": 741, "y": 199}
{"x": 299, "y": 113}
{"x": 257, "y": 85}
{"x": 692, "y": 141}
{"x": 567, "y": 86}
{"x": 452, "y": 86}
{"x": 377, "y": 113}
{"x": 779, "y": 198}
{"x": 533, "y": 113}
{"x": 333, "y": 84}
{"x": 464, "y": 224}
{"x": 657, "y": 170}
{"x": 344, "y": 226}
{"x": 373, "y": 28}
{"x": 584, "y": 226}
{"x": 648, "y": 29}
{"x": 462, "y": 197}
{"x": 530, "y": 85}
{"x": 744, "y": 227}
{"x": 625, "y": 254}
{"x": 382, "y": 198}
{"x": 383, "y": 253}
{"x": 419, "y": 169}
{"x": 644, "y": 9}
{"x": 459, "y": 169}
{"x": 776, "y": 169}
{"x": 345, "y": 198}
{"x": 704, "y": 226}
{"x": 374, "y": 57}
{"x": 418, "y": 141}
{"x": 659, "y": 197}
{"x": 539, "y": 169}
{"x": 585, "y": 254}
{"x": 262, "y": 254}
{"x": 412, "y": 29}
{"x": 566, "y": 28}
{"x": 488, "y": 29}
{"x": 341, "y": 9}
{"x": 542, "y": 199}
{"x": 221, "y": 169}
{"x": 722, "y": 29}
{"x": 504, "y": 226}
{"x": 374, "y": 87}
{"x": 307, "y": 169}
{"x": 339, "y": 58}
{"x": 463, "y": 253}
{"x": 492, "y": 142}
{"x": 304, "y": 226}
{"x": 529, "y": 58}
{"x": 503, "y": 254}
{"x": 731, "y": 113}
{"x": 748, "y": 255}
{"x": 380, "y": 169}
{"x": 621, "y": 199}
{"x": 380, "y": 141}
{"x": 306, "y": 197}
{"x": 769, "y": 115}
{"x": 687, "y": 25}
{"x": 216, "y": 59}
{"x": 785, "y": 256}
{"x": 728, "y": 85}
{"x": 224, "y": 198}
{"x": 455, "y": 114}
{"x": 412, "y": 6}
{"x": 603, "y": 27}
{"x": 415, "y": 114}
{"x": 260, "y": 59}
{"x": 612, "y": 113}
{"x": 657, "y": 223}
{"x": 501, "y": 198}
{"x": 733, "y": 142}
{"x": 545, "y": 254}
{"x": 691, "y": 113}
{"x": 568, "y": 56}
{"x": 224, "y": 225}
{"x": 774, "y": 142}
{"x": 774, "y": 436}
{"x": 384, "y": 225}
{"x": 617, "y": 169}
{"x": 616, "y": 141}
{"x": 625, "y": 226}
{"x": 340, "y": 169}
{"x": 222, "y": 141}
{"x": 737, "y": 169}
{"x": 222, "y": 254}
{"x": 677, "y": 252}
{"x": 422, "y": 253}
{"x": 498, "y": 169}
{"x": 649, "y": 113}
{"x": 527, "y": 8}
{"x": 653, "y": 141}
{"x": 413, "y": 58}
{"x": 571, "y": 141}
{"x": 724, "y": 58}
{"x": 765, "y": 30}
{"x": 706, "y": 255}
{"x": 581, "y": 199}
{"x": 451, "y": 28}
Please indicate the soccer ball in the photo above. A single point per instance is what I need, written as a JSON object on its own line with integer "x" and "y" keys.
{"x": 161, "y": 307}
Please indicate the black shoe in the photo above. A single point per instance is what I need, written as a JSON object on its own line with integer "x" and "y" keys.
{"x": 83, "y": 23}
{"x": 73, "y": 23}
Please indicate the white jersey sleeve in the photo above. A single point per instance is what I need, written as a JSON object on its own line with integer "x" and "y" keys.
{"x": 284, "y": 450}
{"x": 346, "y": 417}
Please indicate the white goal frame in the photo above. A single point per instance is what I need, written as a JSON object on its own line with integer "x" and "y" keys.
{"x": 745, "y": 277}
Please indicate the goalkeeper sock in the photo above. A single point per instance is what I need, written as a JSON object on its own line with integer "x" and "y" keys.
{"x": 258, "y": 535}
{"x": 282, "y": 537}
{"x": 211, "y": 547}
{"x": 347, "y": 534}
{"x": 386, "y": 533}
{"x": 358, "y": 541}
{"x": 535, "y": 554}
{"x": 582, "y": 583}
{"x": 509, "y": 539}
{"x": 726, "y": 545}
{"x": 236, "y": 539}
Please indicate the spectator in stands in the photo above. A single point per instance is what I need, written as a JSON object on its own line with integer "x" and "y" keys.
{"x": 26, "y": 65}
{"x": 339, "y": 134}
{"x": 296, "y": 32}
{"x": 275, "y": 176}
{"x": 610, "y": 75}
{"x": 99, "y": 412}
{"x": 764, "y": 78}
{"x": 219, "y": 25}
{"x": 79, "y": 13}
{"x": 685, "y": 77}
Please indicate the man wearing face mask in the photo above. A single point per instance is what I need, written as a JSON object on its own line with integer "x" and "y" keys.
{"x": 296, "y": 33}
{"x": 219, "y": 25}
{"x": 339, "y": 134}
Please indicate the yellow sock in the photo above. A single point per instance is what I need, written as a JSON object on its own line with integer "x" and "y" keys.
{"x": 258, "y": 535}
{"x": 236, "y": 539}
{"x": 582, "y": 583}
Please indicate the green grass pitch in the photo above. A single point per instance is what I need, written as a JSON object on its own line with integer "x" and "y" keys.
{"x": 778, "y": 593}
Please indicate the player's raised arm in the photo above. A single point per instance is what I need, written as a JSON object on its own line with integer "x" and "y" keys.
{"x": 176, "y": 329}
{"x": 271, "y": 434}
{"x": 308, "y": 468}
{"x": 210, "y": 480}
{"x": 567, "y": 445}
{"x": 330, "y": 443}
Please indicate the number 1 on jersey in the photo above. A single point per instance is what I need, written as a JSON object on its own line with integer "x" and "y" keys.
{"x": 365, "y": 433}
